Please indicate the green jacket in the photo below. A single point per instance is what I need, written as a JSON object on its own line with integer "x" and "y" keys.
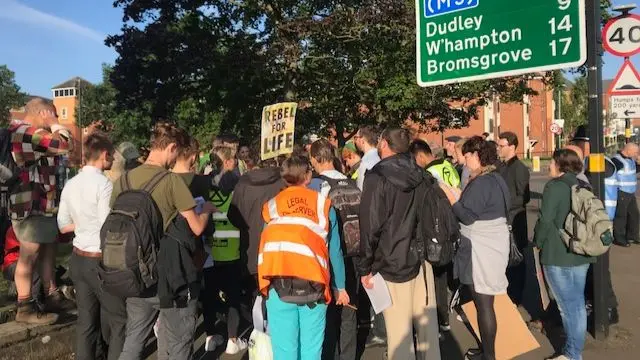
{"x": 556, "y": 204}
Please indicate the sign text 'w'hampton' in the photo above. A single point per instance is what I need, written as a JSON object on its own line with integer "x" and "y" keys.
{"x": 466, "y": 40}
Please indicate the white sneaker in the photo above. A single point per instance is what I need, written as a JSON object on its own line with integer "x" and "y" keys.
{"x": 212, "y": 342}
{"x": 234, "y": 347}
{"x": 561, "y": 357}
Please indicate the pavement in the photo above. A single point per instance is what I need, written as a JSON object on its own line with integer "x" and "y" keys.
{"x": 623, "y": 341}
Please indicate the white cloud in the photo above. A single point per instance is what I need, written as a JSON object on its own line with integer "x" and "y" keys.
{"x": 14, "y": 11}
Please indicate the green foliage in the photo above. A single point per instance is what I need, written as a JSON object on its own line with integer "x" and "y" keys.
{"x": 574, "y": 104}
{"x": 10, "y": 94}
{"x": 211, "y": 65}
{"x": 97, "y": 105}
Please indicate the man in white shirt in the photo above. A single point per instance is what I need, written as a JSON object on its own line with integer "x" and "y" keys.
{"x": 84, "y": 206}
{"x": 341, "y": 334}
{"x": 366, "y": 140}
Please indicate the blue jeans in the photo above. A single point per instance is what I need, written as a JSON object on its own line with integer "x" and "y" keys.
{"x": 297, "y": 331}
{"x": 567, "y": 285}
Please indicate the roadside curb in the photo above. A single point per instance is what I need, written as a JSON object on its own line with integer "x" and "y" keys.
{"x": 12, "y": 332}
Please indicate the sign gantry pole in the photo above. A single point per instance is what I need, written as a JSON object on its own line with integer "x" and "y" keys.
{"x": 596, "y": 158}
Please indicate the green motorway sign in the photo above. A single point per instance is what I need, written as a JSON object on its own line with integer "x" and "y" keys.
{"x": 467, "y": 40}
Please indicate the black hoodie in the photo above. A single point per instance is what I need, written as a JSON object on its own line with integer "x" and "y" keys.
{"x": 253, "y": 190}
{"x": 388, "y": 219}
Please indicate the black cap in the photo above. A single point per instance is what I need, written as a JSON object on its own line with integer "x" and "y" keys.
{"x": 580, "y": 134}
{"x": 453, "y": 139}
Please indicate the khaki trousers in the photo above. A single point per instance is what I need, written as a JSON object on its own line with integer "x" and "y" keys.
{"x": 410, "y": 311}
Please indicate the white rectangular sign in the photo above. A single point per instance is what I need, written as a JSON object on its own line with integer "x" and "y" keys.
{"x": 278, "y": 126}
{"x": 625, "y": 106}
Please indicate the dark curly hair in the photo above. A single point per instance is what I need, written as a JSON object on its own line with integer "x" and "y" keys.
{"x": 487, "y": 152}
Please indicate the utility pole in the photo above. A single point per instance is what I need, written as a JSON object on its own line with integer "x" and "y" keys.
{"x": 596, "y": 158}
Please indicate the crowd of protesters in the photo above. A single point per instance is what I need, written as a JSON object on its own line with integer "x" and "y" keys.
{"x": 226, "y": 228}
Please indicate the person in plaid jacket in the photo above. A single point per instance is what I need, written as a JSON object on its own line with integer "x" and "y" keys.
{"x": 36, "y": 146}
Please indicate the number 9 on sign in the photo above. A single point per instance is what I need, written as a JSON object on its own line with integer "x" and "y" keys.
{"x": 621, "y": 36}
{"x": 564, "y": 4}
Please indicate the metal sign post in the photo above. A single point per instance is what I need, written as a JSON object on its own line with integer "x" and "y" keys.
{"x": 596, "y": 158}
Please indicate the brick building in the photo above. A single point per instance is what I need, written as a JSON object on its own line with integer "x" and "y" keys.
{"x": 530, "y": 121}
{"x": 66, "y": 97}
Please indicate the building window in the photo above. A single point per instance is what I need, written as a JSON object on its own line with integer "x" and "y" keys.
{"x": 66, "y": 92}
{"x": 56, "y": 93}
{"x": 63, "y": 113}
{"x": 73, "y": 92}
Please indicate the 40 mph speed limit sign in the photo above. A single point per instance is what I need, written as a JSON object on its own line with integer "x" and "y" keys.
{"x": 621, "y": 36}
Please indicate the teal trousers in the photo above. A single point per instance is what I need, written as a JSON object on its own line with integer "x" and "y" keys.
{"x": 297, "y": 331}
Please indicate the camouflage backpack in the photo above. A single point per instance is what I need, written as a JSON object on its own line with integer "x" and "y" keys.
{"x": 587, "y": 229}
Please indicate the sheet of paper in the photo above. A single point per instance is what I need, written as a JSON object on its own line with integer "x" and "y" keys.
{"x": 379, "y": 294}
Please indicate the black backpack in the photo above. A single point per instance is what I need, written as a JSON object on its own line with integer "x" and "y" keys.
{"x": 129, "y": 240}
{"x": 345, "y": 198}
{"x": 438, "y": 227}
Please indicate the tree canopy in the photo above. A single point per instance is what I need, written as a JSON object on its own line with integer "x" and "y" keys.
{"x": 10, "y": 94}
{"x": 211, "y": 65}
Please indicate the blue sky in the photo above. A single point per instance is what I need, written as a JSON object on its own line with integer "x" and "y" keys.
{"x": 46, "y": 42}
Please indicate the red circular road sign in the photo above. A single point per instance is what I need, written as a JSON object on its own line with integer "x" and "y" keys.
{"x": 621, "y": 35}
{"x": 556, "y": 129}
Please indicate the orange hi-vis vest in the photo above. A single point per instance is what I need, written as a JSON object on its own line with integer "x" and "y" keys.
{"x": 294, "y": 241}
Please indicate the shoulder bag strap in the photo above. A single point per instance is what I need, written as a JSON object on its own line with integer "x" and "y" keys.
{"x": 125, "y": 182}
{"x": 155, "y": 180}
{"x": 504, "y": 197}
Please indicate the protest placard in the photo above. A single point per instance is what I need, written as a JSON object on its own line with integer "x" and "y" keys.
{"x": 278, "y": 124}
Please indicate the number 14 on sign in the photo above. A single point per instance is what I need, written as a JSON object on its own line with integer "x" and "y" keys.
{"x": 559, "y": 27}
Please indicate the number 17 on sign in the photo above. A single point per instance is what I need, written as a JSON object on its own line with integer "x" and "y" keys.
{"x": 559, "y": 28}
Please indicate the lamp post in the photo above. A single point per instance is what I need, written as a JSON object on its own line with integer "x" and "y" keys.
{"x": 79, "y": 117}
{"x": 561, "y": 88}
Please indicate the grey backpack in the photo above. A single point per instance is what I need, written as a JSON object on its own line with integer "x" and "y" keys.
{"x": 587, "y": 230}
